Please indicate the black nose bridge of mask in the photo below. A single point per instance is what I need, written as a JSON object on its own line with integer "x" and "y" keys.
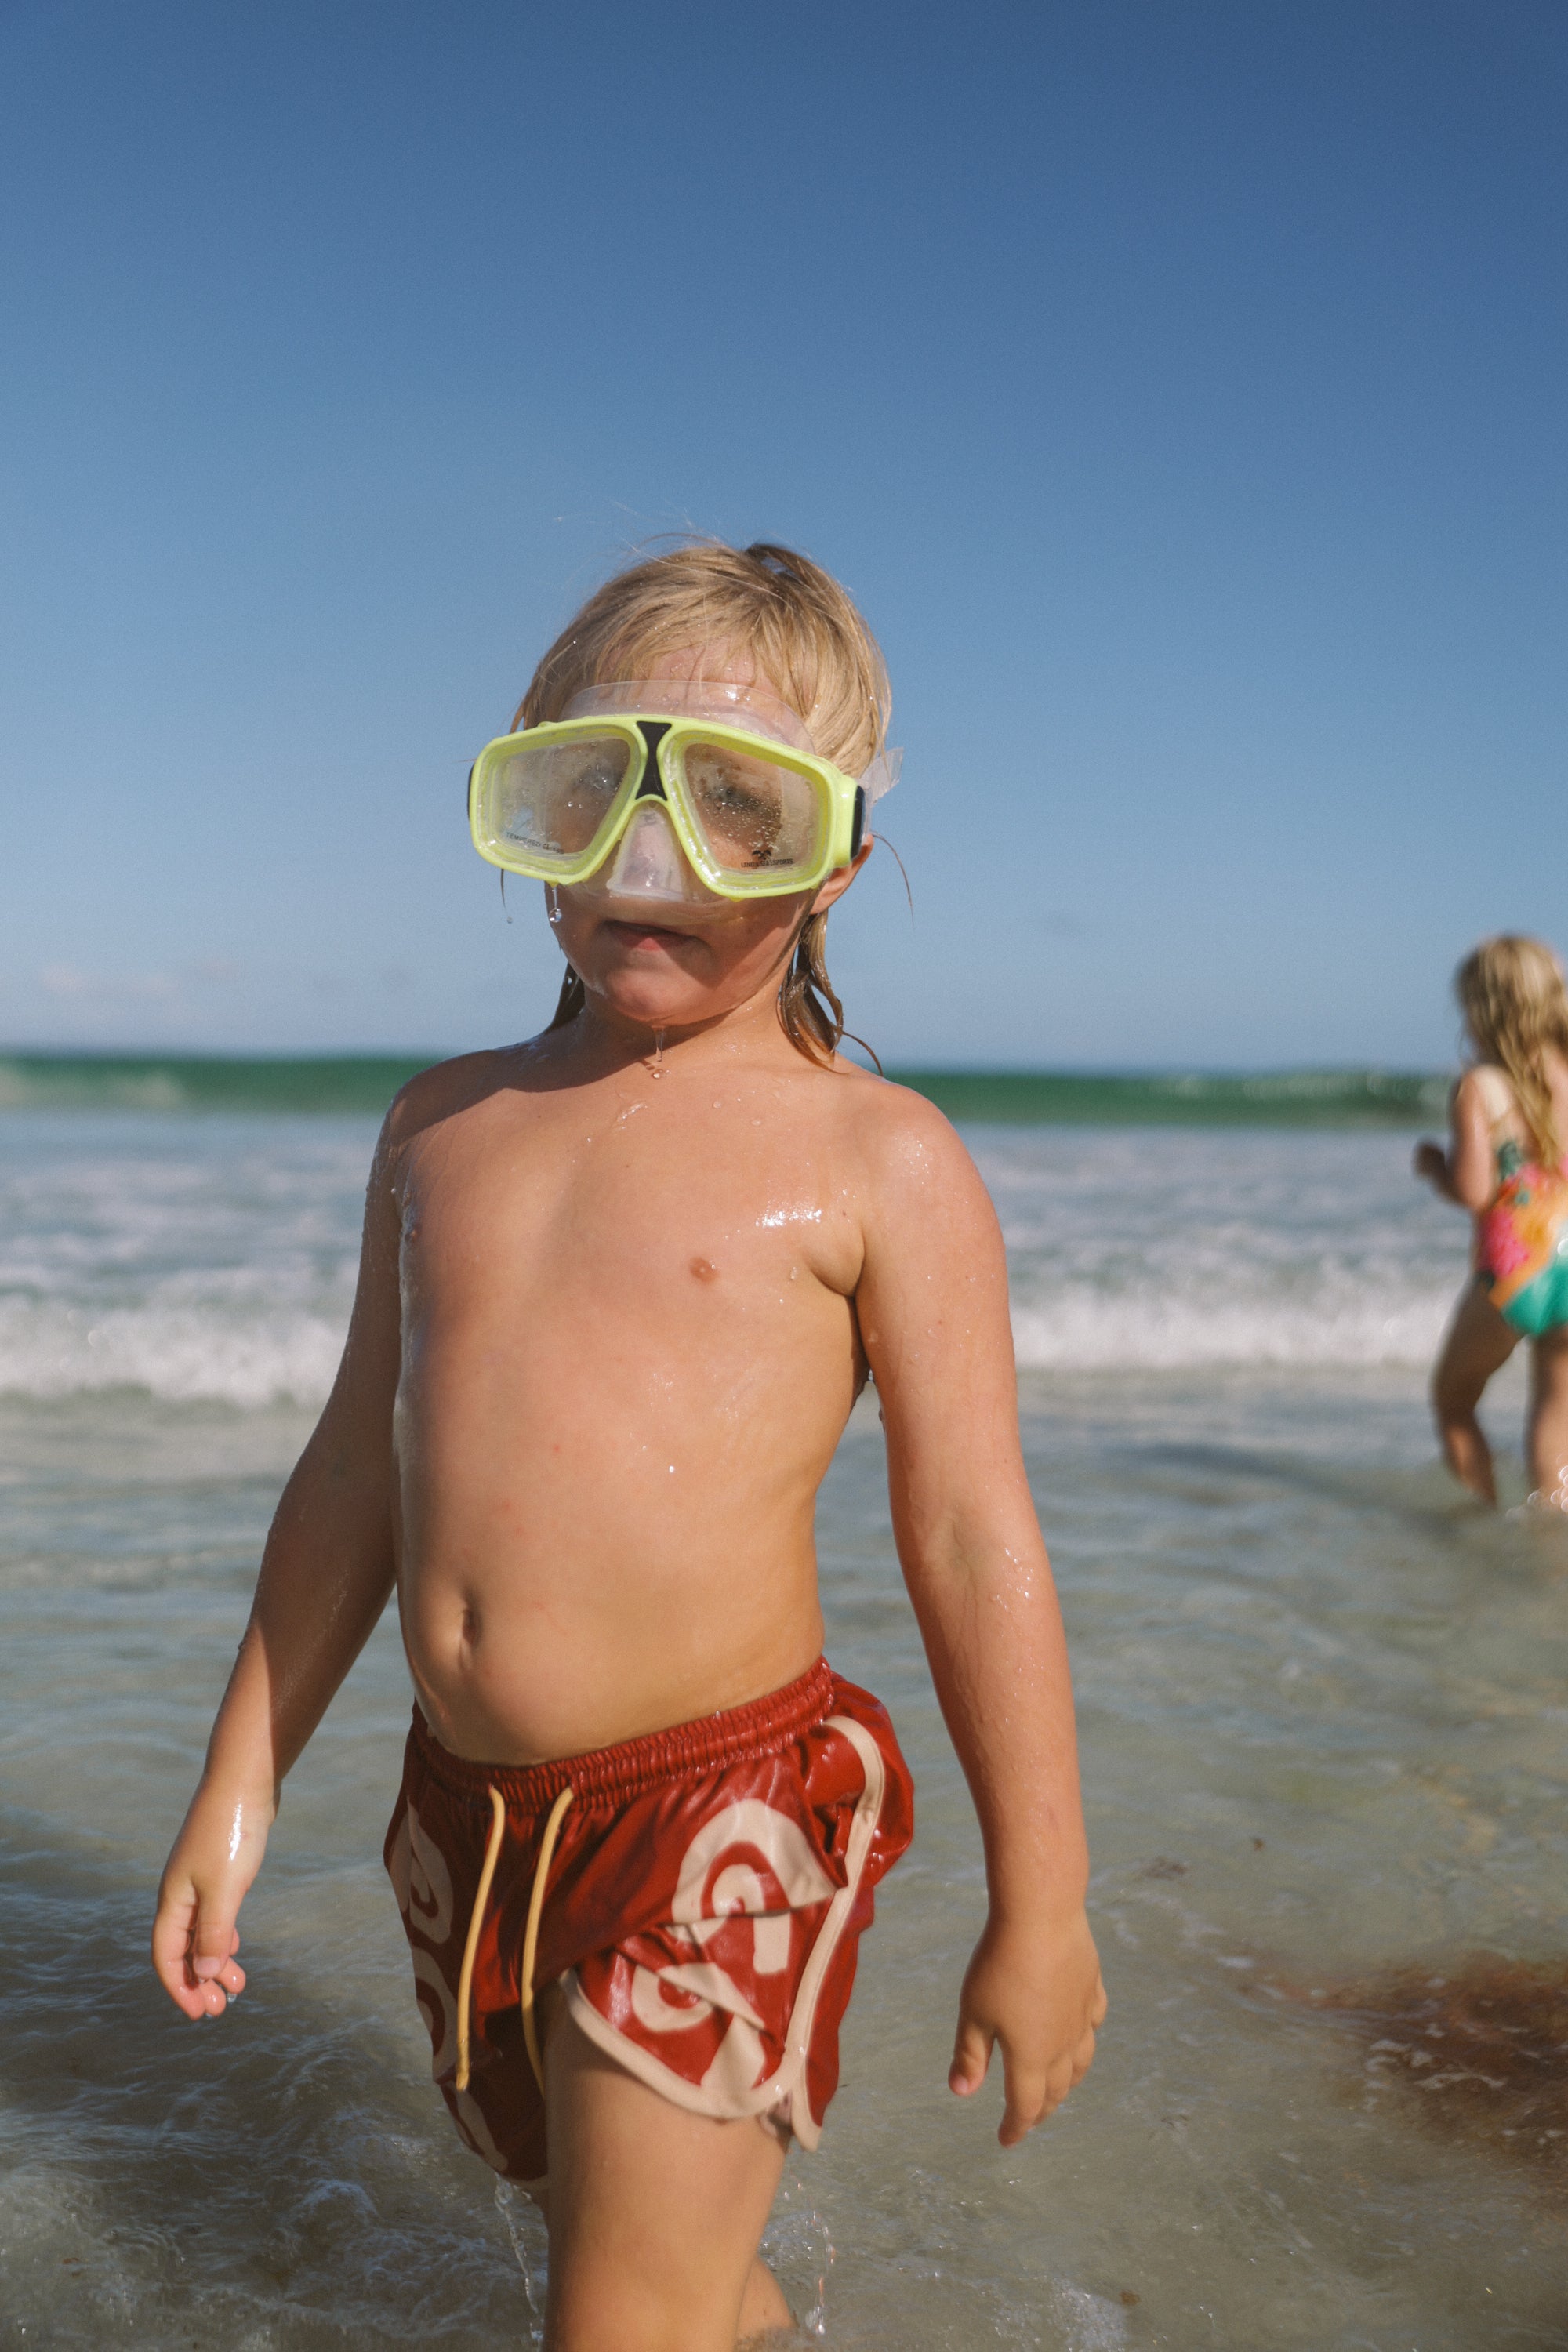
{"x": 653, "y": 732}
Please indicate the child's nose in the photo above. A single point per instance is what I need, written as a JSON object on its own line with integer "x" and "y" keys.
{"x": 650, "y": 863}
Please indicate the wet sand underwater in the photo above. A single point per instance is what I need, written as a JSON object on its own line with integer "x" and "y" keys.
{"x": 1323, "y": 1705}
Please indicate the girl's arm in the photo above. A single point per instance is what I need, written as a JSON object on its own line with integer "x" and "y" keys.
{"x": 933, "y": 1305}
{"x": 1466, "y": 1172}
{"x": 325, "y": 1576}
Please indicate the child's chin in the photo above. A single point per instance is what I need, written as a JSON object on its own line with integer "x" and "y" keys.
{"x": 662, "y": 1001}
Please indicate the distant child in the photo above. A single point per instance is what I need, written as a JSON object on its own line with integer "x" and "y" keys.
{"x": 1507, "y": 1165}
{"x": 620, "y": 1288}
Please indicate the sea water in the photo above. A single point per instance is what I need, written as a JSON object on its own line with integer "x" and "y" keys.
{"x": 1322, "y": 1709}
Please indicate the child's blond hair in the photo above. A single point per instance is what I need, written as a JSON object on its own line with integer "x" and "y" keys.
{"x": 1514, "y": 999}
{"x": 804, "y": 638}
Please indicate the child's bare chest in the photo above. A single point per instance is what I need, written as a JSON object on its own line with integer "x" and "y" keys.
{"x": 625, "y": 1205}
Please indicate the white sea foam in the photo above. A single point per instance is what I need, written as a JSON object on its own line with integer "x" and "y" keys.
{"x": 196, "y": 1261}
{"x": 179, "y": 1357}
{"x": 1162, "y": 1252}
{"x": 1081, "y": 1331}
{"x": 213, "y": 1261}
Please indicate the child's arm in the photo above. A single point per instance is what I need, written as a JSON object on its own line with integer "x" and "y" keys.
{"x": 325, "y": 1576}
{"x": 1465, "y": 1173}
{"x": 932, "y": 1304}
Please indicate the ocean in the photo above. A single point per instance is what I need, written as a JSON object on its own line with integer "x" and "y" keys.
{"x": 1323, "y": 1709}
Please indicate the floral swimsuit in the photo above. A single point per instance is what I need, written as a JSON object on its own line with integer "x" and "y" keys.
{"x": 1523, "y": 1242}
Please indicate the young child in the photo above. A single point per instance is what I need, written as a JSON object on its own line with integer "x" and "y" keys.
{"x": 1506, "y": 1164}
{"x": 620, "y": 1288}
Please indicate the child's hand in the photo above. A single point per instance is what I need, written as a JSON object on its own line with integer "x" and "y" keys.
{"x": 1431, "y": 1163}
{"x": 1037, "y": 1991}
{"x": 208, "y": 1876}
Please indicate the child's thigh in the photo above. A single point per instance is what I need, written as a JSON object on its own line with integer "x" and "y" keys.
{"x": 654, "y": 2212}
{"x": 1549, "y": 1361}
{"x": 1549, "y": 1379}
{"x": 1477, "y": 1343}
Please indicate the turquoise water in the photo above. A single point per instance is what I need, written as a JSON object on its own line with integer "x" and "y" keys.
{"x": 1324, "y": 1715}
{"x": 367, "y": 1082}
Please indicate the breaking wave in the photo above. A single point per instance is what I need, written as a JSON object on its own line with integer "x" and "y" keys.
{"x": 212, "y": 1261}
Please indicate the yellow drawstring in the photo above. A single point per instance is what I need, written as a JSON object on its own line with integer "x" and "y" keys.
{"x": 476, "y": 1919}
{"x": 530, "y": 1938}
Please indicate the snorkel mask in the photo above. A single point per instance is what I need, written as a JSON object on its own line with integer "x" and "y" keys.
{"x": 680, "y": 791}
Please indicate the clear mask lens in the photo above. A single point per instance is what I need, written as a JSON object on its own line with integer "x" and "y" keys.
{"x": 550, "y": 799}
{"x": 754, "y": 816}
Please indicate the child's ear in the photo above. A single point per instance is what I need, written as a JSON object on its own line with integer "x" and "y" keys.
{"x": 840, "y": 880}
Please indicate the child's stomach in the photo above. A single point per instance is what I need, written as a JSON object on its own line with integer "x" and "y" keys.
{"x": 589, "y": 1556}
{"x": 506, "y": 1682}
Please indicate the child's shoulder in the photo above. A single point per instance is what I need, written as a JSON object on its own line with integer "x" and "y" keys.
{"x": 897, "y": 1132}
{"x": 445, "y": 1090}
{"x": 884, "y": 1108}
{"x": 1488, "y": 1090}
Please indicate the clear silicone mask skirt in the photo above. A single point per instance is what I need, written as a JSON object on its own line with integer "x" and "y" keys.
{"x": 648, "y": 868}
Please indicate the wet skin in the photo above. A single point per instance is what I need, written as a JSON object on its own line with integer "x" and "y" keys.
{"x": 619, "y": 1291}
{"x": 628, "y": 1351}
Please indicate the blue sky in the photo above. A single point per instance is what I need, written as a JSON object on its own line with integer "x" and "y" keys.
{"x": 1178, "y": 386}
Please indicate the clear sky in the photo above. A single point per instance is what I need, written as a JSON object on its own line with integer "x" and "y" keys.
{"x": 1179, "y": 384}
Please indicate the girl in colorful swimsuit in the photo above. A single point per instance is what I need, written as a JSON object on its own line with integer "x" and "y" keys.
{"x": 1507, "y": 1164}
{"x": 620, "y": 1287}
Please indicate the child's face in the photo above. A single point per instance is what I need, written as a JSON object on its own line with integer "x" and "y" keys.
{"x": 703, "y": 955}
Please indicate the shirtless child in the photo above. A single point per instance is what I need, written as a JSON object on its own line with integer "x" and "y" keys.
{"x": 619, "y": 1291}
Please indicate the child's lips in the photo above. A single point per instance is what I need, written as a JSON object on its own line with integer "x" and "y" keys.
{"x": 646, "y": 935}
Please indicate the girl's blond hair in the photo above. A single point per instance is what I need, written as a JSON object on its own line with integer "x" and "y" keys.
{"x": 1514, "y": 999}
{"x": 802, "y": 633}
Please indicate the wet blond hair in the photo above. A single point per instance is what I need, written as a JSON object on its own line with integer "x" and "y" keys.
{"x": 802, "y": 633}
{"x": 1514, "y": 999}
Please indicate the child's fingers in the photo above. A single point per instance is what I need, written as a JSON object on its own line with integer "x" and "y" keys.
{"x": 971, "y": 2058}
{"x": 193, "y": 1954}
{"x": 1082, "y": 2058}
{"x": 215, "y": 1973}
{"x": 171, "y": 1955}
{"x": 1032, "y": 2092}
{"x": 191, "y": 1999}
{"x": 213, "y": 1946}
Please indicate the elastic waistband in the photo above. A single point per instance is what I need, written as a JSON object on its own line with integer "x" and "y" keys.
{"x": 761, "y": 1727}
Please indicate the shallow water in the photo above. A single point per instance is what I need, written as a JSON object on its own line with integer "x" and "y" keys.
{"x": 1322, "y": 1704}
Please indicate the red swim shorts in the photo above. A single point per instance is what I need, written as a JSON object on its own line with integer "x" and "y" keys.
{"x": 701, "y": 1909}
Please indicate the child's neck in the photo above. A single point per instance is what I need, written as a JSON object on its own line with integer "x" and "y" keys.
{"x": 603, "y": 1040}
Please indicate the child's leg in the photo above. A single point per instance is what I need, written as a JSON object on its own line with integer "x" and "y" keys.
{"x": 1546, "y": 1438}
{"x": 654, "y": 2213}
{"x": 1479, "y": 1343}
